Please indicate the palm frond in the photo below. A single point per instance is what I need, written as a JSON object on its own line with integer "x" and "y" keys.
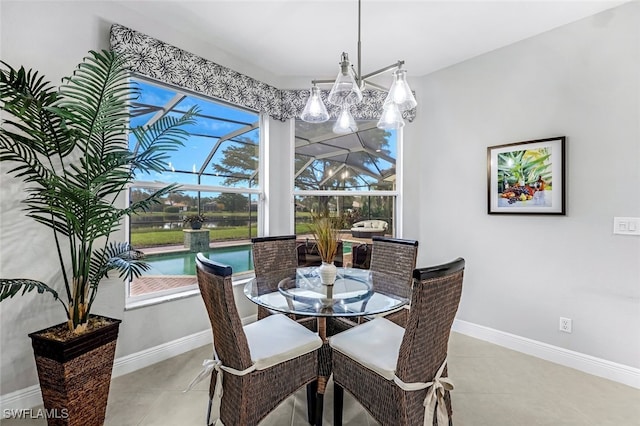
{"x": 156, "y": 141}
{"x": 119, "y": 256}
{"x": 153, "y": 198}
{"x": 30, "y": 100}
{"x": 11, "y": 287}
{"x": 95, "y": 97}
{"x": 70, "y": 146}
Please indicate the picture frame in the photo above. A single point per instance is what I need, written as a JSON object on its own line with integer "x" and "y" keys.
{"x": 527, "y": 177}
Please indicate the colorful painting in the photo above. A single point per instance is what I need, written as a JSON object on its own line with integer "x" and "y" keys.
{"x": 527, "y": 177}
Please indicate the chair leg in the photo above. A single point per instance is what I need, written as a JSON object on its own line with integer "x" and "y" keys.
{"x": 319, "y": 406}
{"x": 312, "y": 390}
{"x": 338, "y": 397}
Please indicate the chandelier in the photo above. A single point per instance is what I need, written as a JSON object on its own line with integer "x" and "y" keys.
{"x": 347, "y": 91}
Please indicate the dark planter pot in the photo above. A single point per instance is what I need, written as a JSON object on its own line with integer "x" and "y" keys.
{"x": 196, "y": 225}
{"x": 75, "y": 374}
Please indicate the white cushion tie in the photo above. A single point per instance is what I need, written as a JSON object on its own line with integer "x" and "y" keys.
{"x": 434, "y": 401}
{"x": 271, "y": 340}
{"x": 216, "y": 364}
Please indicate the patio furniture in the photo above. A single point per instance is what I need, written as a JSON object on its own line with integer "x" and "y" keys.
{"x": 399, "y": 375}
{"x": 262, "y": 363}
{"x": 303, "y": 294}
{"x": 397, "y": 258}
{"x": 275, "y": 258}
{"x": 361, "y": 255}
{"x": 369, "y": 228}
{"x": 308, "y": 253}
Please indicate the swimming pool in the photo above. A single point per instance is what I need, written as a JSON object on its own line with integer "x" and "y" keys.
{"x": 184, "y": 263}
{"x": 239, "y": 257}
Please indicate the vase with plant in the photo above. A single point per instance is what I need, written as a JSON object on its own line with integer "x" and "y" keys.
{"x": 194, "y": 220}
{"x": 69, "y": 145}
{"x": 325, "y": 232}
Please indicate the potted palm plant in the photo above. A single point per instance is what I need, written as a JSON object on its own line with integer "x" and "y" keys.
{"x": 325, "y": 232}
{"x": 69, "y": 145}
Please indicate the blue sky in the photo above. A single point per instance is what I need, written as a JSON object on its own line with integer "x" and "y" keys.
{"x": 195, "y": 151}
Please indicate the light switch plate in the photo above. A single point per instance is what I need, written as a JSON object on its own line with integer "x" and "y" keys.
{"x": 626, "y": 225}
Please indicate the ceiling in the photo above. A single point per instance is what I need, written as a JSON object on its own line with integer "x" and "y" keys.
{"x": 304, "y": 38}
{"x": 300, "y": 40}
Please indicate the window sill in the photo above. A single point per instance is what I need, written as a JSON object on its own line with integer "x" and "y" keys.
{"x": 169, "y": 296}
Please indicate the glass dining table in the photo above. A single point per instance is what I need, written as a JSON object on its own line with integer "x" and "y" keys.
{"x": 355, "y": 293}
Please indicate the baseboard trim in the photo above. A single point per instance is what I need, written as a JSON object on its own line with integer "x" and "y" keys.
{"x": 620, "y": 373}
{"x": 130, "y": 363}
{"x": 24, "y": 398}
{"x": 31, "y": 396}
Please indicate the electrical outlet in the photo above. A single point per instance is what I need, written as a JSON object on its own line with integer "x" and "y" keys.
{"x": 626, "y": 225}
{"x": 565, "y": 325}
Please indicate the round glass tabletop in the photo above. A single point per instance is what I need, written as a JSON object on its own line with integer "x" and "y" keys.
{"x": 355, "y": 292}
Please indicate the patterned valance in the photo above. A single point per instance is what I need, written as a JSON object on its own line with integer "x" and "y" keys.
{"x": 164, "y": 62}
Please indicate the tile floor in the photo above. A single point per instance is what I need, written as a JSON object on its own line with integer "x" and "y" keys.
{"x": 494, "y": 386}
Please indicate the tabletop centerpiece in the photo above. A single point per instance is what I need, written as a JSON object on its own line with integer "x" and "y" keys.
{"x": 325, "y": 232}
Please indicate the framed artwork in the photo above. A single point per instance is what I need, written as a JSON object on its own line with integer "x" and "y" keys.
{"x": 527, "y": 177}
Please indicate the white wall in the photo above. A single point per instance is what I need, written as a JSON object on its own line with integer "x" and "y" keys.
{"x": 53, "y": 37}
{"x": 583, "y": 81}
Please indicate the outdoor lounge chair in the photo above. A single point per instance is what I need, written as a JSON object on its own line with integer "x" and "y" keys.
{"x": 369, "y": 228}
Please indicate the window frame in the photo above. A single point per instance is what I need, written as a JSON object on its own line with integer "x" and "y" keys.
{"x": 134, "y": 302}
{"x": 396, "y": 194}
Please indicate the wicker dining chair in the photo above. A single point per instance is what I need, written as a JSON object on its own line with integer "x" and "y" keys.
{"x": 263, "y": 362}
{"x": 399, "y": 375}
{"x": 274, "y": 259}
{"x": 396, "y": 259}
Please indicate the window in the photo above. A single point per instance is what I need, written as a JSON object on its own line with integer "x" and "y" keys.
{"x": 351, "y": 176}
{"x": 218, "y": 169}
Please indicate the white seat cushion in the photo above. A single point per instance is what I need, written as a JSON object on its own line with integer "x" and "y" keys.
{"x": 278, "y": 338}
{"x": 375, "y": 345}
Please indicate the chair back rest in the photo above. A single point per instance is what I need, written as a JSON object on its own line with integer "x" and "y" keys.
{"x": 230, "y": 342}
{"x": 434, "y": 303}
{"x": 274, "y": 258}
{"x": 396, "y": 258}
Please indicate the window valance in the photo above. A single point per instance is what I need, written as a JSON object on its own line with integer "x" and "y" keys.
{"x": 166, "y": 63}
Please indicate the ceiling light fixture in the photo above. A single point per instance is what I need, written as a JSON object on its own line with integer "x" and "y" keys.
{"x": 347, "y": 91}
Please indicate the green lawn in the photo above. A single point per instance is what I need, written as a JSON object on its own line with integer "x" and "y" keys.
{"x": 155, "y": 237}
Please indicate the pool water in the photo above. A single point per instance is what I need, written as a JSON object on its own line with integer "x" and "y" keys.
{"x": 239, "y": 258}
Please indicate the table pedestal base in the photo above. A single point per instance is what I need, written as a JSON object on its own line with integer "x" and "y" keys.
{"x": 324, "y": 368}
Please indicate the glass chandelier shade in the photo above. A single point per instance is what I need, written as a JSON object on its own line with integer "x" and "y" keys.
{"x": 400, "y": 92}
{"x": 345, "y": 90}
{"x": 315, "y": 111}
{"x": 345, "y": 122}
{"x": 391, "y": 118}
